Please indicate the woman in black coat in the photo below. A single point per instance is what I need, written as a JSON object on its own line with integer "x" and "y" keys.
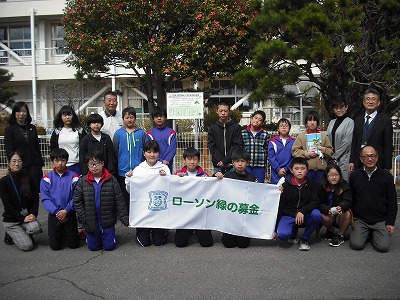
{"x": 22, "y": 136}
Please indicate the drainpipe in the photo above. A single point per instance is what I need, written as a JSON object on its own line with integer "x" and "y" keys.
{"x": 33, "y": 54}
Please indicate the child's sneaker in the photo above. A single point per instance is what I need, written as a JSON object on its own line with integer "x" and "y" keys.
{"x": 337, "y": 241}
{"x": 329, "y": 235}
{"x": 294, "y": 240}
{"x": 304, "y": 246}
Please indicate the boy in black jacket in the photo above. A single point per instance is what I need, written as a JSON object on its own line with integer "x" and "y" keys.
{"x": 224, "y": 137}
{"x": 240, "y": 160}
{"x": 298, "y": 206}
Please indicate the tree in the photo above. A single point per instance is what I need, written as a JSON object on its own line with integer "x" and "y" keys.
{"x": 166, "y": 40}
{"x": 353, "y": 44}
{"x": 6, "y": 93}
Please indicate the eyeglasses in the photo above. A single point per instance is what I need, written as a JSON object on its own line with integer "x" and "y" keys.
{"x": 14, "y": 161}
{"x": 369, "y": 156}
{"x": 95, "y": 164}
{"x": 333, "y": 175}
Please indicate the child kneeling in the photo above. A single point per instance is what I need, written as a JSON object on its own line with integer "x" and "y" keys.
{"x": 298, "y": 205}
{"x": 98, "y": 200}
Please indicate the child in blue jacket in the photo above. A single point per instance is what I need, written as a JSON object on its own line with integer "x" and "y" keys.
{"x": 164, "y": 136}
{"x": 57, "y": 191}
{"x": 280, "y": 151}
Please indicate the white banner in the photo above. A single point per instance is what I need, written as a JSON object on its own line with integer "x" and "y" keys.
{"x": 227, "y": 205}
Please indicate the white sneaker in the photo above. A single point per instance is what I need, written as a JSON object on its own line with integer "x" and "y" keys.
{"x": 304, "y": 246}
{"x": 293, "y": 241}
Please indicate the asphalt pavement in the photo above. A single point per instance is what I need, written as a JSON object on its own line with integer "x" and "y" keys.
{"x": 265, "y": 270}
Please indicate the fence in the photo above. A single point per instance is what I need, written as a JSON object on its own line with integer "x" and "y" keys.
{"x": 185, "y": 140}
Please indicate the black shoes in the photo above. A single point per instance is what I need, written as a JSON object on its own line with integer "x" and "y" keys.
{"x": 7, "y": 239}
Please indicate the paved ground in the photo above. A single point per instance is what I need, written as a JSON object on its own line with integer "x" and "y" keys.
{"x": 267, "y": 269}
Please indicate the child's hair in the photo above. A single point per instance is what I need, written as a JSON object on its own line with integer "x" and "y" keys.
{"x": 95, "y": 118}
{"x": 240, "y": 153}
{"x": 285, "y": 121}
{"x": 158, "y": 111}
{"x": 259, "y": 112}
{"x": 151, "y": 145}
{"x": 190, "y": 152}
{"x": 324, "y": 179}
{"x": 299, "y": 161}
{"x": 68, "y": 110}
{"x": 59, "y": 153}
{"x": 129, "y": 110}
{"x": 311, "y": 116}
{"x": 223, "y": 103}
{"x": 16, "y": 108}
{"x": 94, "y": 156}
{"x": 26, "y": 189}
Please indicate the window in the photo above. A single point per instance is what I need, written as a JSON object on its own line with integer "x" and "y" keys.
{"x": 20, "y": 40}
{"x": 17, "y": 38}
{"x": 57, "y": 40}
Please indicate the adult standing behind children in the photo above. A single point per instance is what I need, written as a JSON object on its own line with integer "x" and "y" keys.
{"x": 111, "y": 116}
{"x": 374, "y": 203}
{"x": 191, "y": 157}
{"x": 22, "y": 136}
{"x": 98, "y": 202}
{"x": 280, "y": 151}
{"x": 255, "y": 141}
{"x": 373, "y": 129}
{"x": 57, "y": 193}
{"x": 67, "y": 134}
{"x": 340, "y": 133}
{"x": 164, "y": 135}
{"x": 96, "y": 141}
{"x": 224, "y": 137}
{"x": 21, "y": 204}
{"x": 128, "y": 148}
{"x": 317, "y": 159}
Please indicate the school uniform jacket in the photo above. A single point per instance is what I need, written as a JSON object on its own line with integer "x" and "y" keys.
{"x": 294, "y": 199}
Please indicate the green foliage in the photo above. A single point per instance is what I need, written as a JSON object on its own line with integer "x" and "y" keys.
{"x": 354, "y": 44}
{"x": 168, "y": 39}
{"x": 210, "y": 116}
{"x": 6, "y": 93}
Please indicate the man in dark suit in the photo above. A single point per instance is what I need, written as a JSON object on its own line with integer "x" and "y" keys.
{"x": 372, "y": 129}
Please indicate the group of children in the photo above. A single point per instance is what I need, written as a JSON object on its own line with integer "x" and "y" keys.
{"x": 133, "y": 151}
